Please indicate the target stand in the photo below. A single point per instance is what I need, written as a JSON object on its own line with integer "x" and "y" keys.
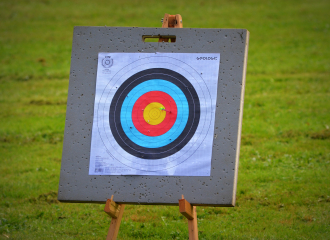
{"x": 114, "y": 210}
{"x": 154, "y": 114}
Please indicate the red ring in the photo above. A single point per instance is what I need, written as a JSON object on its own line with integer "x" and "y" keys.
{"x": 154, "y": 130}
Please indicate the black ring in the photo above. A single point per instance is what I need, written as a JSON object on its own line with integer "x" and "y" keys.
{"x": 178, "y": 143}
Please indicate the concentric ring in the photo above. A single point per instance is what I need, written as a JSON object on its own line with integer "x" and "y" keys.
{"x": 134, "y": 95}
{"x": 138, "y": 109}
{"x": 147, "y": 149}
{"x": 154, "y": 114}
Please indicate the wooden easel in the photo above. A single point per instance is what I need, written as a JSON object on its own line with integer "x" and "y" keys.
{"x": 114, "y": 210}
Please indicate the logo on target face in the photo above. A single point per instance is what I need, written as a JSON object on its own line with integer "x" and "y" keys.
{"x": 107, "y": 62}
{"x": 154, "y": 114}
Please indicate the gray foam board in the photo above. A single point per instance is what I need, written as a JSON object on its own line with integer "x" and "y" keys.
{"x": 217, "y": 190}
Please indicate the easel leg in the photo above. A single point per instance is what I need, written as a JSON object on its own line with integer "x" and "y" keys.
{"x": 115, "y": 224}
{"x": 115, "y": 211}
{"x": 192, "y": 226}
{"x": 191, "y": 214}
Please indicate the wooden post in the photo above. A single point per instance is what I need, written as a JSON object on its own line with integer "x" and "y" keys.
{"x": 171, "y": 21}
{"x": 191, "y": 214}
{"x": 115, "y": 211}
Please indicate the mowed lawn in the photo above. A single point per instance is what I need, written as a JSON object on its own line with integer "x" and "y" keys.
{"x": 283, "y": 187}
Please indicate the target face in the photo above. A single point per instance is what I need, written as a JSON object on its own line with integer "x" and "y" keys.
{"x": 151, "y": 131}
{"x": 153, "y": 116}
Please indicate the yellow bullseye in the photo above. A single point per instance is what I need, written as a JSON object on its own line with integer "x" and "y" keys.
{"x": 153, "y": 114}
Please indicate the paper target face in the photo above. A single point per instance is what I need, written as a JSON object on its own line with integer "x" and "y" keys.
{"x": 154, "y": 114}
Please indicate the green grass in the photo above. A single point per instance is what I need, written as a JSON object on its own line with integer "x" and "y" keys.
{"x": 283, "y": 182}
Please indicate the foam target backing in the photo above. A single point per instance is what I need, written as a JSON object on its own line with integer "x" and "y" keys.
{"x": 136, "y": 121}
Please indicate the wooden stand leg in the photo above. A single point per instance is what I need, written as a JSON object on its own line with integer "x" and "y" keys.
{"x": 115, "y": 211}
{"x": 191, "y": 214}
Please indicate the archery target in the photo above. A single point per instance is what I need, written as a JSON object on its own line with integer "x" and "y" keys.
{"x": 175, "y": 137}
{"x": 154, "y": 113}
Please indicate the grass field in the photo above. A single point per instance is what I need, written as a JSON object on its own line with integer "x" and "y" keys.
{"x": 284, "y": 181}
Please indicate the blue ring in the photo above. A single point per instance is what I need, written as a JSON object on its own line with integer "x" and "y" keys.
{"x": 127, "y": 108}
